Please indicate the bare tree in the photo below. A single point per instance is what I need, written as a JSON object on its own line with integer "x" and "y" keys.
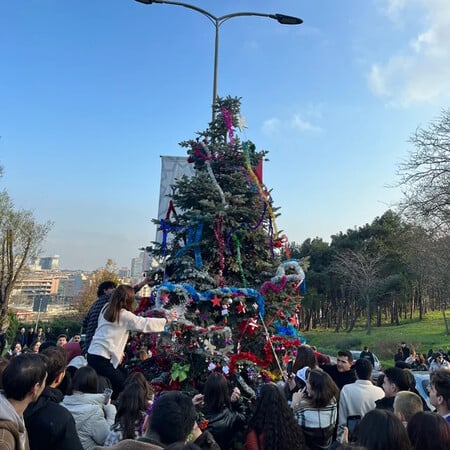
{"x": 20, "y": 239}
{"x": 425, "y": 176}
{"x": 361, "y": 272}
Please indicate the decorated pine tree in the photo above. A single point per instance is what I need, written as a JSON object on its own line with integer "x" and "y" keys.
{"x": 222, "y": 258}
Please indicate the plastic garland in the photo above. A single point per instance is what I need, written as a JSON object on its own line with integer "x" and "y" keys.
{"x": 245, "y": 224}
{"x": 211, "y": 174}
{"x": 194, "y": 236}
{"x": 258, "y": 185}
{"x": 228, "y": 119}
{"x": 218, "y": 233}
{"x": 189, "y": 293}
{"x": 291, "y": 265}
{"x": 239, "y": 261}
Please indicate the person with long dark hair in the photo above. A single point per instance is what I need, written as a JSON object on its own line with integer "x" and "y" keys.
{"x": 131, "y": 412}
{"x": 273, "y": 425}
{"x": 305, "y": 361}
{"x": 380, "y": 429}
{"x": 93, "y": 418}
{"x": 315, "y": 409}
{"x": 223, "y": 412}
{"x": 429, "y": 431}
{"x": 115, "y": 322}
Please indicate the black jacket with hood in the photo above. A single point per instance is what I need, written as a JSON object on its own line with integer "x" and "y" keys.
{"x": 50, "y": 426}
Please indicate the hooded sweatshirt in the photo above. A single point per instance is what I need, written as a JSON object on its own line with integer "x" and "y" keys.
{"x": 93, "y": 419}
{"x": 50, "y": 426}
{"x": 13, "y": 435}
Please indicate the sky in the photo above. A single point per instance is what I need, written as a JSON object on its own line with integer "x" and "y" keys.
{"x": 92, "y": 93}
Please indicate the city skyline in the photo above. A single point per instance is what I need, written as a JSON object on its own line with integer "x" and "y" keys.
{"x": 93, "y": 94}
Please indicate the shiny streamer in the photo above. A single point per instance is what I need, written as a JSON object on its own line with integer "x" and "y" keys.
{"x": 194, "y": 235}
{"x": 211, "y": 174}
{"x": 189, "y": 292}
{"x": 259, "y": 187}
{"x": 245, "y": 224}
{"x": 228, "y": 119}
{"x": 218, "y": 233}
{"x": 239, "y": 261}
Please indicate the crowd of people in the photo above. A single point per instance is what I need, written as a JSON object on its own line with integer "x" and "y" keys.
{"x": 410, "y": 359}
{"x": 58, "y": 396}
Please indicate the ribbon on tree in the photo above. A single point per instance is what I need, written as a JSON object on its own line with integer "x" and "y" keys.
{"x": 228, "y": 120}
{"x": 211, "y": 174}
{"x": 245, "y": 224}
{"x": 261, "y": 191}
{"x": 239, "y": 260}
{"x": 167, "y": 227}
{"x": 218, "y": 233}
{"x": 188, "y": 292}
{"x": 194, "y": 235}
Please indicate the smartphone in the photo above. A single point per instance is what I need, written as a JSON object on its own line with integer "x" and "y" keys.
{"x": 352, "y": 425}
{"x": 107, "y": 393}
{"x": 289, "y": 367}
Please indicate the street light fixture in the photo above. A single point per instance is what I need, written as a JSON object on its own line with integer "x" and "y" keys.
{"x": 217, "y": 22}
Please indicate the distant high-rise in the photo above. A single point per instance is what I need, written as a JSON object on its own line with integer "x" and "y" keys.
{"x": 49, "y": 262}
{"x": 137, "y": 266}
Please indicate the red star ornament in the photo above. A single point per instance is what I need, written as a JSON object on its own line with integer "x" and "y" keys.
{"x": 216, "y": 301}
{"x": 240, "y": 308}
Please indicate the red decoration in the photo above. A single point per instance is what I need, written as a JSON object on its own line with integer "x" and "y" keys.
{"x": 241, "y": 308}
{"x": 216, "y": 301}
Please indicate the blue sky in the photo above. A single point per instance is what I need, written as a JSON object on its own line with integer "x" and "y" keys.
{"x": 92, "y": 93}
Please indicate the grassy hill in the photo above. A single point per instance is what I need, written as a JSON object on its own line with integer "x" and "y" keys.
{"x": 384, "y": 341}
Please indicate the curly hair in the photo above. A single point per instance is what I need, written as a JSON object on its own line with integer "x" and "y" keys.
{"x": 274, "y": 418}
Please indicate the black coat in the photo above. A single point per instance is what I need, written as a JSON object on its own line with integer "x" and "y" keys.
{"x": 50, "y": 426}
{"x": 225, "y": 425}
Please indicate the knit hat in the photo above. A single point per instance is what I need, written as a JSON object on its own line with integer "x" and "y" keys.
{"x": 73, "y": 350}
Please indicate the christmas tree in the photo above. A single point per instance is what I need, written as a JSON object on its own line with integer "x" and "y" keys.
{"x": 225, "y": 267}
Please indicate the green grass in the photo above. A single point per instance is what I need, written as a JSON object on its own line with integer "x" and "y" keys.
{"x": 384, "y": 341}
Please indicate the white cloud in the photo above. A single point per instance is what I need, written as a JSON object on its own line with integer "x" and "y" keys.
{"x": 271, "y": 126}
{"x": 297, "y": 123}
{"x": 420, "y": 72}
{"x": 294, "y": 123}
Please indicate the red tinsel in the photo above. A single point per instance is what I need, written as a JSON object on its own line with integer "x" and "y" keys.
{"x": 247, "y": 357}
{"x": 282, "y": 341}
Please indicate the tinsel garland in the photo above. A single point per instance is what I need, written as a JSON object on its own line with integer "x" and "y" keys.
{"x": 188, "y": 292}
{"x": 247, "y": 225}
{"x": 255, "y": 180}
{"x": 194, "y": 236}
{"x": 234, "y": 359}
{"x": 238, "y": 259}
{"x": 228, "y": 120}
{"x": 211, "y": 174}
{"x": 218, "y": 233}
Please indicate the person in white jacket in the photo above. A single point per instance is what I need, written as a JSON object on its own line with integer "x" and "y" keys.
{"x": 115, "y": 322}
{"x": 93, "y": 418}
{"x": 358, "y": 398}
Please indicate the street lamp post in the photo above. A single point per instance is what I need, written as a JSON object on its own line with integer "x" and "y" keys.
{"x": 217, "y": 22}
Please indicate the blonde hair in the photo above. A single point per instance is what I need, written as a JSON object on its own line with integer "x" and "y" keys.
{"x": 407, "y": 403}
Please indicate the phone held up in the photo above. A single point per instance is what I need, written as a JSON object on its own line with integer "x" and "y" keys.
{"x": 107, "y": 393}
{"x": 352, "y": 425}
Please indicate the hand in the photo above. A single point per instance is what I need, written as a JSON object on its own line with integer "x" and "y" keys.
{"x": 147, "y": 280}
{"x": 344, "y": 436}
{"x": 198, "y": 399}
{"x": 235, "y": 395}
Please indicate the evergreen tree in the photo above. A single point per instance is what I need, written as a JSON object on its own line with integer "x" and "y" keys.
{"x": 221, "y": 255}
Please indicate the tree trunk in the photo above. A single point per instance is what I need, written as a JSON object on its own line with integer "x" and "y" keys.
{"x": 447, "y": 331}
